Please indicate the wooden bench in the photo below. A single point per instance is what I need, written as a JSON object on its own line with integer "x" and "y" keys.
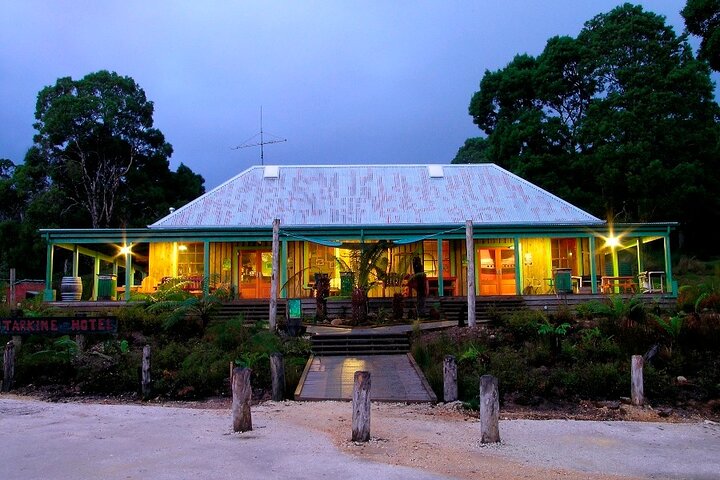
{"x": 622, "y": 283}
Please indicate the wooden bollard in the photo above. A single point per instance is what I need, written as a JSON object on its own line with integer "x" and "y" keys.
{"x": 242, "y": 394}
{"x": 636, "y": 381}
{"x": 361, "y": 407}
{"x": 8, "y": 366}
{"x": 145, "y": 383}
{"x": 489, "y": 410}
{"x": 80, "y": 342}
{"x": 277, "y": 373}
{"x": 450, "y": 387}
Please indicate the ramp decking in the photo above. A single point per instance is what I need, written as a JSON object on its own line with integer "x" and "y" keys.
{"x": 394, "y": 378}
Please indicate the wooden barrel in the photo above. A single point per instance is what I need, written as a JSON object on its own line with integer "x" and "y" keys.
{"x": 71, "y": 289}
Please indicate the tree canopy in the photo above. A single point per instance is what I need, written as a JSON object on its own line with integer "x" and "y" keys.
{"x": 97, "y": 161}
{"x": 620, "y": 121}
{"x": 702, "y": 18}
{"x": 96, "y": 135}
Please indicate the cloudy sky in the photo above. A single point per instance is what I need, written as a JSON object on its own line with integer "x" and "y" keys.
{"x": 343, "y": 81}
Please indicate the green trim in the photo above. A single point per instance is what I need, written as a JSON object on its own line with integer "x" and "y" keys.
{"x": 593, "y": 267}
{"x": 668, "y": 266}
{"x": 440, "y": 269}
{"x": 96, "y": 273}
{"x": 48, "y": 294}
{"x": 76, "y": 262}
{"x": 405, "y": 233}
{"x": 518, "y": 272}
{"x": 128, "y": 274}
{"x": 283, "y": 267}
{"x": 206, "y": 269}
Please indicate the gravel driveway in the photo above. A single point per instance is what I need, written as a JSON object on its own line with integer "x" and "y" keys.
{"x": 305, "y": 440}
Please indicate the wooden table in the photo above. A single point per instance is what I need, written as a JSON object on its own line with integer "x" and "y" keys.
{"x": 617, "y": 284}
{"x": 652, "y": 281}
{"x": 576, "y": 283}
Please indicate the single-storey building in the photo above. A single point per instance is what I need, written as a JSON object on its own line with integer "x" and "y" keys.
{"x": 526, "y": 241}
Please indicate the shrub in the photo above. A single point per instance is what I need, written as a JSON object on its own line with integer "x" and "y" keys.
{"x": 205, "y": 371}
{"x": 45, "y": 360}
{"x": 109, "y": 369}
{"x": 523, "y": 324}
{"x": 137, "y": 319}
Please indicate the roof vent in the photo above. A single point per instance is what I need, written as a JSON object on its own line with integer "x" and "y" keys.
{"x": 436, "y": 171}
{"x": 271, "y": 171}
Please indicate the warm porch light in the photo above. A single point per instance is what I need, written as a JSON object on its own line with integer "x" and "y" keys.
{"x": 125, "y": 250}
{"x": 612, "y": 241}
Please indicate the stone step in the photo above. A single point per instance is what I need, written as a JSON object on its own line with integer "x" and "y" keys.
{"x": 360, "y": 344}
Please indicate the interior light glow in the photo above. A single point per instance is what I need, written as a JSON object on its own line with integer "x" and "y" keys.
{"x": 182, "y": 248}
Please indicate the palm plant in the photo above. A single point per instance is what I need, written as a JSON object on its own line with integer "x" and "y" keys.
{"x": 365, "y": 263}
{"x": 368, "y": 270}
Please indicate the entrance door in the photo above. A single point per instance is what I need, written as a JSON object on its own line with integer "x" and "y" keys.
{"x": 254, "y": 271}
{"x": 497, "y": 271}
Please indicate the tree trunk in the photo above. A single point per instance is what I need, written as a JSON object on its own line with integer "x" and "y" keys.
{"x": 636, "y": 381}
{"x": 361, "y": 407}
{"x": 277, "y": 372}
{"x": 146, "y": 357}
{"x": 470, "y": 252}
{"x": 242, "y": 395}
{"x": 450, "y": 387}
{"x": 8, "y": 366}
{"x": 274, "y": 276}
{"x": 489, "y": 410}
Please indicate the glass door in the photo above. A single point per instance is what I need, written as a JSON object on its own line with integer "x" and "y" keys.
{"x": 255, "y": 272}
{"x": 496, "y": 271}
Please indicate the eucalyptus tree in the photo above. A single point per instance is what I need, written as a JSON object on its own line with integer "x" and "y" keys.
{"x": 97, "y": 137}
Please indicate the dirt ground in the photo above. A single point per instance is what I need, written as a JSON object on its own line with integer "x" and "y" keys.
{"x": 444, "y": 439}
{"x": 621, "y": 441}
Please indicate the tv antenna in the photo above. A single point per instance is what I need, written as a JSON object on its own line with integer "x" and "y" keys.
{"x": 253, "y": 141}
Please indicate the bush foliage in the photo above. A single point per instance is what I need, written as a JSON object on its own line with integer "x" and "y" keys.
{"x": 583, "y": 354}
{"x": 190, "y": 359}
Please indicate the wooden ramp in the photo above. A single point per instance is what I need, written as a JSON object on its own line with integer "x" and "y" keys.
{"x": 394, "y": 378}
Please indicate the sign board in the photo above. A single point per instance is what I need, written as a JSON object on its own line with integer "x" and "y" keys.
{"x": 58, "y": 325}
{"x": 294, "y": 308}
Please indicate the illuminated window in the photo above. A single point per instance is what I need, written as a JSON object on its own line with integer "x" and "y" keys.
{"x": 430, "y": 263}
{"x": 564, "y": 252}
{"x": 191, "y": 257}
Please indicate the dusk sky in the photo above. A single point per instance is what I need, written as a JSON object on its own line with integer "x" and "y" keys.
{"x": 374, "y": 82}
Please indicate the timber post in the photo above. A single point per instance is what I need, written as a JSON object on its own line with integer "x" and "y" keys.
{"x": 8, "y": 366}
{"x": 80, "y": 342}
{"x": 470, "y": 252}
{"x": 146, "y": 380}
{"x": 242, "y": 395}
{"x": 489, "y": 410}
{"x": 361, "y": 407}
{"x": 275, "y": 277}
{"x": 12, "y": 298}
{"x": 450, "y": 387}
{"x": 636, "y": 381}
{"x": 277, "y": 372}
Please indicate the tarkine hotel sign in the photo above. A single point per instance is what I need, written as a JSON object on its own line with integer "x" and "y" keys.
{"x": 57, "y": 325}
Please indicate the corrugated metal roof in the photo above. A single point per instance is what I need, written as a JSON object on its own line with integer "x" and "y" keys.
{"x": 365, "y": 195}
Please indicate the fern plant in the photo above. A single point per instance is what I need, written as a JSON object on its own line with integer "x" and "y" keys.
{"x": 671, "y": 327}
